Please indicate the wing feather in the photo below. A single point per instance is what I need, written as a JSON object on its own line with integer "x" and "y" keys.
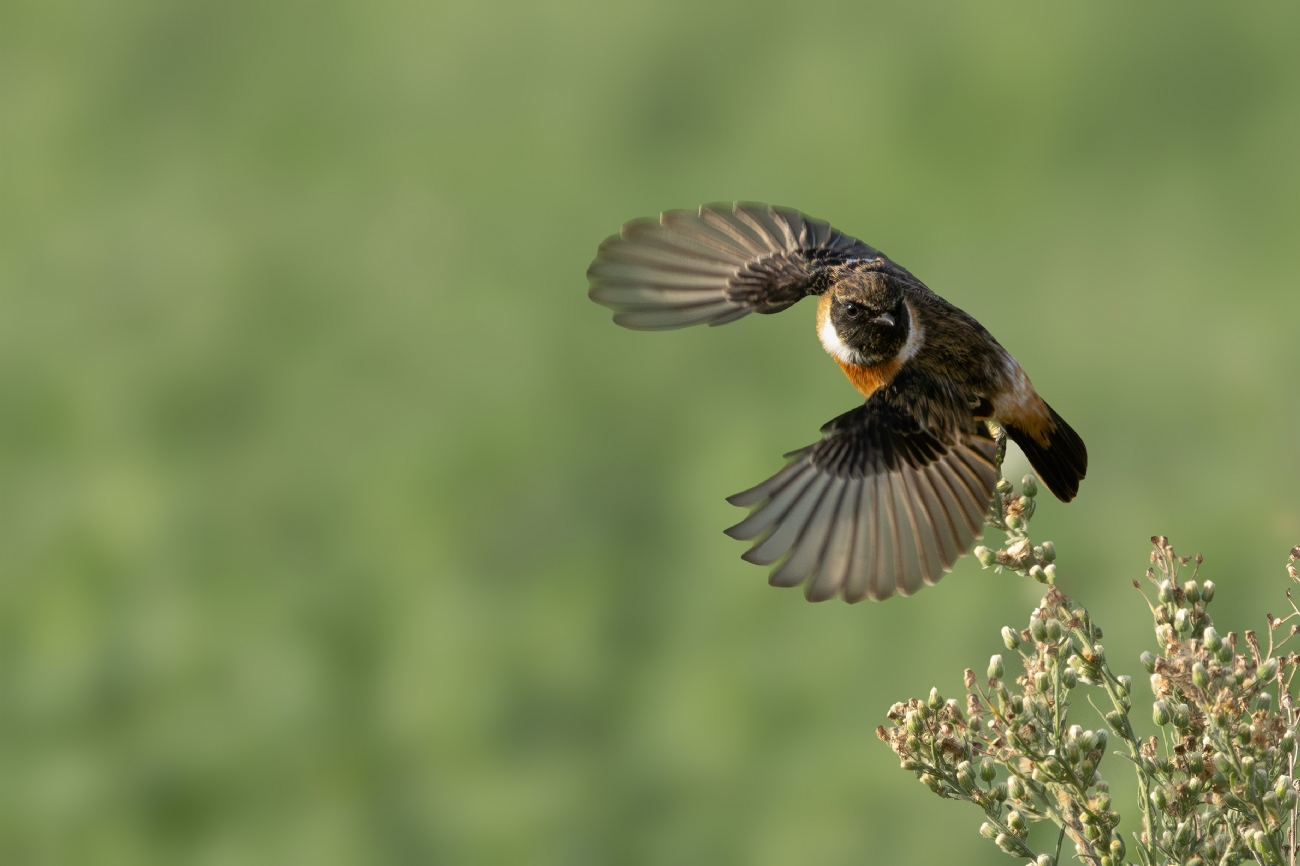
{"x": 719, "y": 264}
{"x": 894, "y": 493}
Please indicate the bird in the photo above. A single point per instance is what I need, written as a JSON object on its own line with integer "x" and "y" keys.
{"x": 897, "y": 489}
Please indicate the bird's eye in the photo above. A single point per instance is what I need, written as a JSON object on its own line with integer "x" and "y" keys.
{"x": 852, "y": 310}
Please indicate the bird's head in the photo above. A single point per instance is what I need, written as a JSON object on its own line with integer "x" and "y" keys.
{"x": 866, "y": 320}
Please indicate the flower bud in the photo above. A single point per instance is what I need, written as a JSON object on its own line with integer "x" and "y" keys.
{"x": 1049, "y": 572}
{"x": 1102, "y": 739}
{"x": 1182, "y": 717}
{"x": 932, "y": 782}
{"x": 1098, "y": 654}
{"x": 1016, "y": 788}
{"x": 1287, "y": 743}
{"x": 1259, "y": 841}
{"x": 1271, "y": 804}
{"x": 1043, "y": 682}
{"x": 1014, "y": 522}
{"x": 1010, "y": 637}
{"x": 935, "y": 701}
{"x": 1069, "y": 678}
{"x": 1165, "y": 633}
{"x": 1159, "y": 799}
{"x": 1182, "y": 622}
{"x": 1225, "y": 654}
{"x": 1038, "y": 629}
{"x": 1116, "y": 721}
{"x": 1029, "y": 485}
{"x": 1003, "y": 486}
{"x": 1267, "y": 670}
{"x": 1053, "y": 629}
{"x": 987, "y": 558}
{"x": 913, "y": 723}
{"x": 1016, "y": 822}
{"x": 1200, "y": 676}
{"x": 1183, "y": 834}
{"x": 1009, "y": 844}
{"x": 1211, "y": 639}
{"x": 1148, "y": 660}
{"x": 988, "y": 831}
{"x": 1165, "y": 592}
{"x": 995, "y": 667}
{"x": 1207, "y": 591}
{"x": 1049, "y": 551}
{"x": 965, "y": 777}
{"x": 1044, "y": 860}
{"x": 1037, "y": 573}
{"x": 988, "y": 772}
{"x": 1117, "y": 849}
{"x": 1160, "y": 714}
{"x": 1263, "y": 702}
{"x": 1125, "y": 683}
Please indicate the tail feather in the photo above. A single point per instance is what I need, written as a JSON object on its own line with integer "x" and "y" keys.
{"x": 1060, "y": 464}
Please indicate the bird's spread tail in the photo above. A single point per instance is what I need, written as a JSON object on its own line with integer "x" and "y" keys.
{"x": 1057, "y": 454}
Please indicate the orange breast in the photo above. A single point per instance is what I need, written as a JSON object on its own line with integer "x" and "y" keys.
{"x": 868, "y": 379}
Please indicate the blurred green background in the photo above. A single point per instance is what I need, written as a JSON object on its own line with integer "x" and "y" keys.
{"x": 340, "y": 527}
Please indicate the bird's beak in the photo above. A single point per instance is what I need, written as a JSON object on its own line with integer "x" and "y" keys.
{"x": 884, "y": 319}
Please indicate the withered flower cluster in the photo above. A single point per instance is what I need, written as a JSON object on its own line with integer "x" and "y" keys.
{"x": 1216, "y": 788}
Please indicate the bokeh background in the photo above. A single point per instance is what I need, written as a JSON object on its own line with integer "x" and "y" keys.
{"x": 338, "y": 526}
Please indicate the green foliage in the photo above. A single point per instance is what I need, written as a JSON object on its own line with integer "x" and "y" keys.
{"x": 1215, "y": 787}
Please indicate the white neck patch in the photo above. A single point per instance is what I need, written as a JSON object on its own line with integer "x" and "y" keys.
{"x": 835, "y": 347}
{"x": 915, "y": 336}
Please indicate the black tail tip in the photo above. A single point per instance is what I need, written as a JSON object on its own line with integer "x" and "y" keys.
{"x": 1060, "y": 464}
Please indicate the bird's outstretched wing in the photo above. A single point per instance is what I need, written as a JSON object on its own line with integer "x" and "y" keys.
{"x": 886, "y": 502}
{"x": 718, "y": 264}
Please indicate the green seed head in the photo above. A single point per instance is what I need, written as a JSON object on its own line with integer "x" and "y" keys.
{"x": 1207, "y": 591}
{"x": 1200, "y": 676}
{"x": 987, "y": 558}
{"x": 1029, "y": 485}
{"x": 1049, "y": 551}
{"x": 935, "y": 701}
{"x": 1211, "y": 639}
{"x": 1159, "y": 800}
{"x": 1160, "y": 714}
{"x": 1054, "y": 629}
{"x": 1267, "y": 670}
{"x": 995, "y": 667}
{"x": 1069, "y": 678}
{"x": 1166, "y": 592}
{"x": 1010, "y": 637}
{"x": 1148, "y": 660}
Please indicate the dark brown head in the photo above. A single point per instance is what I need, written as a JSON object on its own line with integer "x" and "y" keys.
{"x": 863, "y": 319}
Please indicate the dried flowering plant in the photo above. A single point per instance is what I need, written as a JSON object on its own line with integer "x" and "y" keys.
{"x": 1216, "y": 788}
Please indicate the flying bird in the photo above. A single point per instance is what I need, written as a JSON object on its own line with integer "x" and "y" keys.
{"x": 896, "y": 489}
